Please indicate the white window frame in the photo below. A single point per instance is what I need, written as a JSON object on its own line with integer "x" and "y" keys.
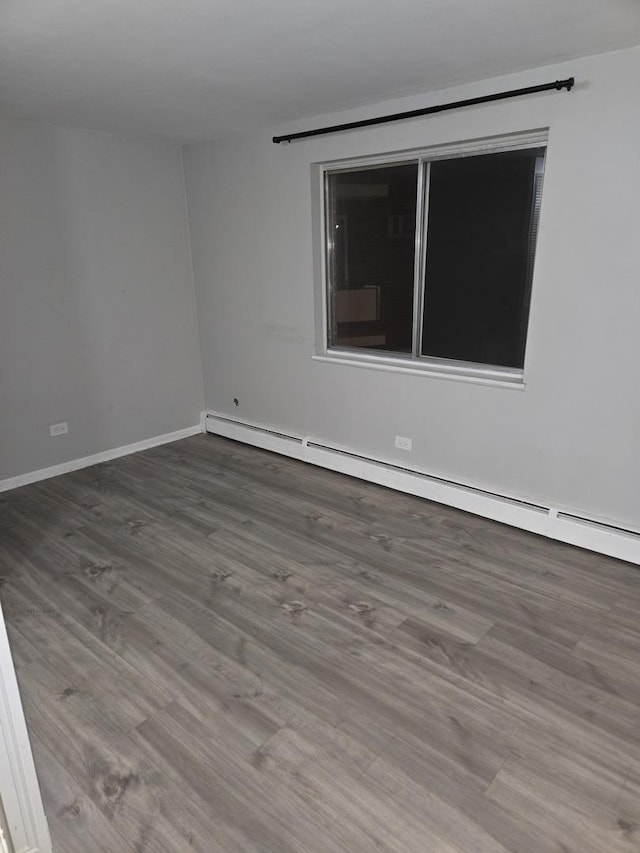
{"x": 414, "y": 362}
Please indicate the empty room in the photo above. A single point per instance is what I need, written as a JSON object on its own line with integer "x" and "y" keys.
{"x": 320, "y": 426}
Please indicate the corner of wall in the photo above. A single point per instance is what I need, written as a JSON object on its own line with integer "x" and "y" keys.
{"x": 196, "y": 318}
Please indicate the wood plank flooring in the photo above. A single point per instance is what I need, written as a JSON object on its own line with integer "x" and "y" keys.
{"x": 224, "y": 650}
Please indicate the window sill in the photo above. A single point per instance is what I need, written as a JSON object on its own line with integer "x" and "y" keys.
{"x": 436, "y": 369}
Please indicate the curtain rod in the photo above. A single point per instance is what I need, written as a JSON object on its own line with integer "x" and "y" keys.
{"x": 558, "y": 85}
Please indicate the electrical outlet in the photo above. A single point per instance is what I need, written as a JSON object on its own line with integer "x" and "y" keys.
{"x": 403, "y": 443}
{"x": 59, "y": 429}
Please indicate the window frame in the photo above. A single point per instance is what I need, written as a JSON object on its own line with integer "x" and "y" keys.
{"x": 415, "y": 362}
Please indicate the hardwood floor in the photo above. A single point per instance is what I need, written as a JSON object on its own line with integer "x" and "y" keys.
{"x": 224, "y": 650}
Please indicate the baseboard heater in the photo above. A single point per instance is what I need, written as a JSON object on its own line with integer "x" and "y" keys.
{"x": 563, "y": 525}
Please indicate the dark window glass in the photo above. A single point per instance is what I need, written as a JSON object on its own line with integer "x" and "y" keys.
{"x": 371, "y": 222}
{"x": 479, "y": 256}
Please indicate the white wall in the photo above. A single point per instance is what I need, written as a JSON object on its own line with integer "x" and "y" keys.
{"x": 97, "y": 319}
{"x": 571, "y": 437}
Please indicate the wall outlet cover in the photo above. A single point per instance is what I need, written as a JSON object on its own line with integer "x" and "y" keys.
{"x": 403, "y": 443}
{"x": 59, "y": 429}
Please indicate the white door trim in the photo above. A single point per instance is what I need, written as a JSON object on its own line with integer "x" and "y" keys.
{"x": 19, "y": 786}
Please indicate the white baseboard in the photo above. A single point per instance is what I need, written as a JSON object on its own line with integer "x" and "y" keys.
{"x": 95, "y": 458}
{"x": 564, "y": 525}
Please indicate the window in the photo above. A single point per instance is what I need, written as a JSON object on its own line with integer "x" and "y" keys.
{"x": 430, "y": 259}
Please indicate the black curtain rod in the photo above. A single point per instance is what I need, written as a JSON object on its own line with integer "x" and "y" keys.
{"x": 426, "y": 111}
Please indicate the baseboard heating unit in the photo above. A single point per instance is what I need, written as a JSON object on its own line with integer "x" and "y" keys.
{"x": 554, "y": 523}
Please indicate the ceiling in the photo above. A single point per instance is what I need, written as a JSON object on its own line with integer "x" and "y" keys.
{"x": 199, "y": 69}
